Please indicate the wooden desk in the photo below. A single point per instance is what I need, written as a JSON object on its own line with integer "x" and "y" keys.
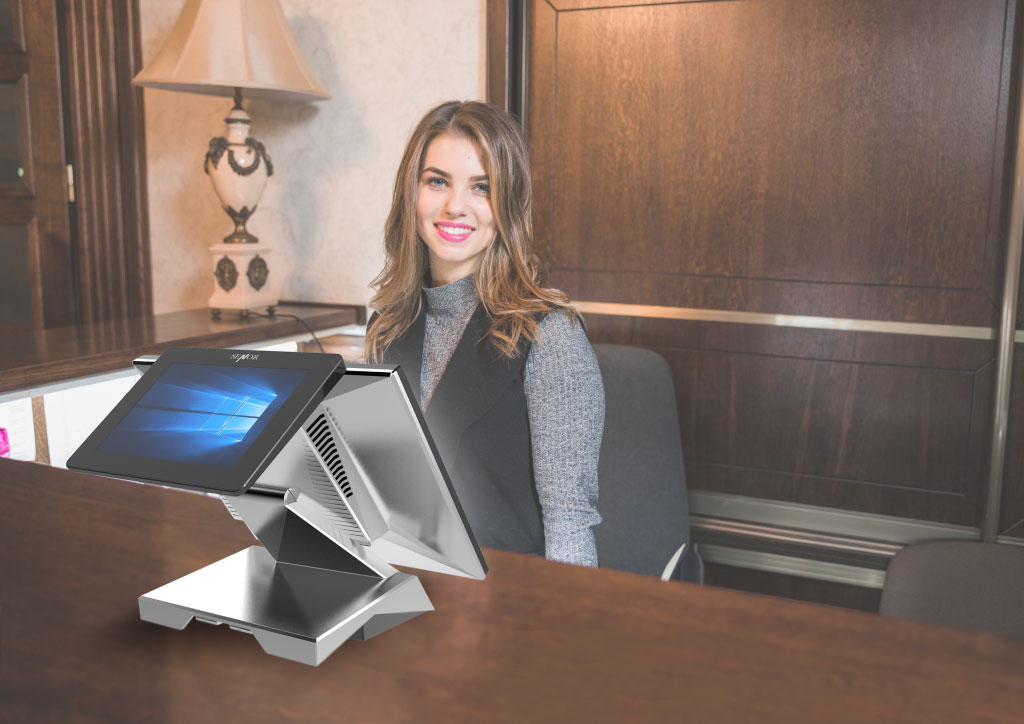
{"x": 536, "y": 641}
{"x": 30, "y": 359}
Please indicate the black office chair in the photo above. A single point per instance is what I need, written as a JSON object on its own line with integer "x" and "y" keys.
{"x": 964, "y": 584}
{"x": 641, "y": 474}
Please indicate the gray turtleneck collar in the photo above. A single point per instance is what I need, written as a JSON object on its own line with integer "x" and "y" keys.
{"x": 448, "y": 309}
{"x": 450, "y": 299}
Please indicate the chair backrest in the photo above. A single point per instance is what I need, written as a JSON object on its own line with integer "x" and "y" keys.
{"x": 965, "y": 584}
{"x": 641, "y": 474}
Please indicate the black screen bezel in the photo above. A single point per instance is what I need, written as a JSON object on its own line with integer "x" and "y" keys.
{"x": 208, "y": 478}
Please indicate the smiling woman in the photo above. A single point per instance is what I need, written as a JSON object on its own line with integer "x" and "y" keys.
{"x": 453, "y": 208}
{"x": 501, "y": 365}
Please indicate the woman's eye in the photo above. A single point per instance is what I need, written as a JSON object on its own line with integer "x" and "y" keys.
{"x": 484, "y": 189}
{"x": 436, "y": 182}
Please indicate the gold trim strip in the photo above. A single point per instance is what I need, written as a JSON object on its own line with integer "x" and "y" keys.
{"x": 789, "y": 320}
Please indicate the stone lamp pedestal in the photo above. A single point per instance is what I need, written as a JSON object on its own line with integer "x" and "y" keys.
{"x": 242, "y": 275}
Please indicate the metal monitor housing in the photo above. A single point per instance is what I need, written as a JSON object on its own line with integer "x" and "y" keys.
{"x": 360, "y": 488}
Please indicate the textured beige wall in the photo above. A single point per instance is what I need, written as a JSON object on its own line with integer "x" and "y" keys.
{"x": 384, "y": 62}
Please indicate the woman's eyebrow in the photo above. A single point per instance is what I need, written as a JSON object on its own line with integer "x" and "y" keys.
{"x": 445, "y": 174}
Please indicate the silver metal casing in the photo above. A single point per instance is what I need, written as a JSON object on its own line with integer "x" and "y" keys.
{"x": 360, "y": 487}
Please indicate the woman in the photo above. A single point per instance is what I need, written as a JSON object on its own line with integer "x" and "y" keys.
{"x": 502, "y": 368}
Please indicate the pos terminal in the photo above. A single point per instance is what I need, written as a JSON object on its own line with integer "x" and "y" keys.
{"x": 331, "y": 468}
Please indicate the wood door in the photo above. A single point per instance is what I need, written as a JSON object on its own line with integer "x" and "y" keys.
{"x": 35, "y": 234}
{"x": 72, "y": 250}
{"x": 102, "y": 52}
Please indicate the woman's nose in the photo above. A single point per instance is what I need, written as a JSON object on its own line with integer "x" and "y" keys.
{"x": 454, "y": 205}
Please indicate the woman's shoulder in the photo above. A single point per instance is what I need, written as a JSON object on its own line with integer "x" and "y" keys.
{"x": 560, "y": 327}
{"x": 561, "y": 361}
{"x": 562, "y": 338}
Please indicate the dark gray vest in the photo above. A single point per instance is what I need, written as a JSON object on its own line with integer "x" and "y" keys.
{"x": 478, "y": 419}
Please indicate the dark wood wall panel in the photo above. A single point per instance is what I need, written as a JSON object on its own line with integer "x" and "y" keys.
{"x": 104, "y": 52}
{"x": 836, "y": 158}
{"x": 860, "y": 424}
{"x": 44, "y": 163}
{"x": 872, "y": 422}
{"x": 497, "y": 75}
{"x": 861, "y": 347}
{"x": 540, "y": 120}
{"x": 765, "y": 115}
{"x": 835, "y": 142}
{"x": 858, "y": 301}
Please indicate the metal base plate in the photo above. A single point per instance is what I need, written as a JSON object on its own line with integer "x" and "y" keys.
{"x": 296, "y": 612}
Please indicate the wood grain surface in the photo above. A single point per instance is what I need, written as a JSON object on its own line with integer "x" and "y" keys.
{"x": 535, "y": 641}
{"x": 842, "y": 143}
{"x": 107, "y": 140}
{"x": 44, "y": 160}
{"x": 878, "y": 423}
{"x": 835, "y": 158}
{"x": 37, "y": 358}
{"x": 497, "y": 65}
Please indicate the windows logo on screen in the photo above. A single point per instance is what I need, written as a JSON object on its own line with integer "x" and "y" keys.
{"x": 233, "y": 417}
{"x": 202, "y": 414}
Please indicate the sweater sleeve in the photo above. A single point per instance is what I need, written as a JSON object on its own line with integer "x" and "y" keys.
{"x": 565, "y": 402}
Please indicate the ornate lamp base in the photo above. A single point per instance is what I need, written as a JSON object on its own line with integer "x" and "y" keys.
{"x": 242, "y": 278}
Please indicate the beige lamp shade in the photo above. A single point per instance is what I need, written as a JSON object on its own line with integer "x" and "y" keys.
{"x": 219, "y": 45}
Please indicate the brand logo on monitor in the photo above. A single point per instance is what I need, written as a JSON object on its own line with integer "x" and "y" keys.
{"x": 242, "y": 357}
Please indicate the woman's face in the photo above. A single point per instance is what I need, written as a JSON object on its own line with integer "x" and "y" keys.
{"x": 453, "y": 208}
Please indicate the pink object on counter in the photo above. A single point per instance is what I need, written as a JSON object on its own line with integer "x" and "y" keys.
{"x": 5, "y": 443}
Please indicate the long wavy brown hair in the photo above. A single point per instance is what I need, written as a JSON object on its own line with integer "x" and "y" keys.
{"x": 509, "y": 278}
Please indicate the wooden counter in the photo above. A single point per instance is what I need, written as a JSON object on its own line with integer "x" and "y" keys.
{"x": 32, "y": 359}
{"x": 535, "y": 641}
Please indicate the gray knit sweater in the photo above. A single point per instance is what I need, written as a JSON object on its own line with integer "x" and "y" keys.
{"x": 565, "y": 402}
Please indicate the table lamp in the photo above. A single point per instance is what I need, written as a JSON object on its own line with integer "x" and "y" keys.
{"x": 222, "y": 47}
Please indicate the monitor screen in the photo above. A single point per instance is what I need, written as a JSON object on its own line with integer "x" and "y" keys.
{"x": 200, "y": 413}
{"x": 207, "y": 419}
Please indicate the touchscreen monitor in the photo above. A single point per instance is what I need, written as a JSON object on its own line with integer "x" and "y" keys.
{"x": 208, "y": 420}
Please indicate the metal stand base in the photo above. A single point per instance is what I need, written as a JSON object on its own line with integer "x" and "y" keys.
{"x": 296, "y": 612}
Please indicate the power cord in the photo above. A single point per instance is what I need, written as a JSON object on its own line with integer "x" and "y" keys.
{"x": 300, "y": 320}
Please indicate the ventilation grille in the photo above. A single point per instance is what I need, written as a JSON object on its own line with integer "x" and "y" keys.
{"x": 320, "y": 435}
{"x": 339, "y": 516}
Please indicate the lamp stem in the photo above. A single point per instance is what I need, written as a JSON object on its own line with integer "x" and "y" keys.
{"x": 238, "y": 99}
